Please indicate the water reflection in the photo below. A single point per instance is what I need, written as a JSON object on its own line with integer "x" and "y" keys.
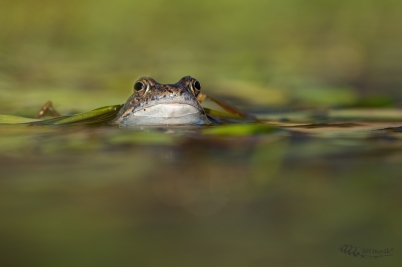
{"x": 199, "y": 196}
{"x": 281, "y": 199}
{"x": 187, "y": 180}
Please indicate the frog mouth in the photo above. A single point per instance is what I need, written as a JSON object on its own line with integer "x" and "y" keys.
{"x": 168, "y": 110}
{"x": 168, "y": 114}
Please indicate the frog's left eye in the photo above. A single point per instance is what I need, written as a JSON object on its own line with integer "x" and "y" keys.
{"x": 139, "y": 86}
{"x": 195, "y": 86}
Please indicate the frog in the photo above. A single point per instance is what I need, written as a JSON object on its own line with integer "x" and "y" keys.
{"x": 157, "y": 104}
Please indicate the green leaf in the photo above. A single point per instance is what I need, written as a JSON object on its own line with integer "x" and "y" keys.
{"x": 240, "y": 129}
{"x": 8, "y": 119}
{"x": 100, "y": 115}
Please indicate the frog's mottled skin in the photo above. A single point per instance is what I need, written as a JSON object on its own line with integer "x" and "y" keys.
{"x": 153, "y": 103}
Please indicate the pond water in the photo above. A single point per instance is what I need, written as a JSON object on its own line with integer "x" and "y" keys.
{"x": 247, "y": 196}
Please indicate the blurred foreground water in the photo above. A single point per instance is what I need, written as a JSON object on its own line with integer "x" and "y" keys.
{"x": 104, "y": 196}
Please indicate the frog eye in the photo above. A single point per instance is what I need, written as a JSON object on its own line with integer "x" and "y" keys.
{"x": 195, "y": 86}
{"x": 139, "y": 86}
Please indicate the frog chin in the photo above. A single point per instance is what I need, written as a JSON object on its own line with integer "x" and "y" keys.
{"x": 167, "y": 114}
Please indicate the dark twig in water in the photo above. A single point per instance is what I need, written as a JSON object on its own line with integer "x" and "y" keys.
{"x": 47, "y": 110}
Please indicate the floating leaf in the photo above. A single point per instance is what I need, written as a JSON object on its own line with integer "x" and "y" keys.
{"x": 240, "y": 129}
{"x": 96, "y": 116}
{"x": 9, "y": 119}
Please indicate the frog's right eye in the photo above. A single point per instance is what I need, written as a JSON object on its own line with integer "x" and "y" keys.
{"x": 139, "y": 86}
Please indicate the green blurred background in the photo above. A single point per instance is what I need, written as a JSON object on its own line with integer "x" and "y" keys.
{"x": 108, "y": 197}
{"x": 264, "y": 52}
